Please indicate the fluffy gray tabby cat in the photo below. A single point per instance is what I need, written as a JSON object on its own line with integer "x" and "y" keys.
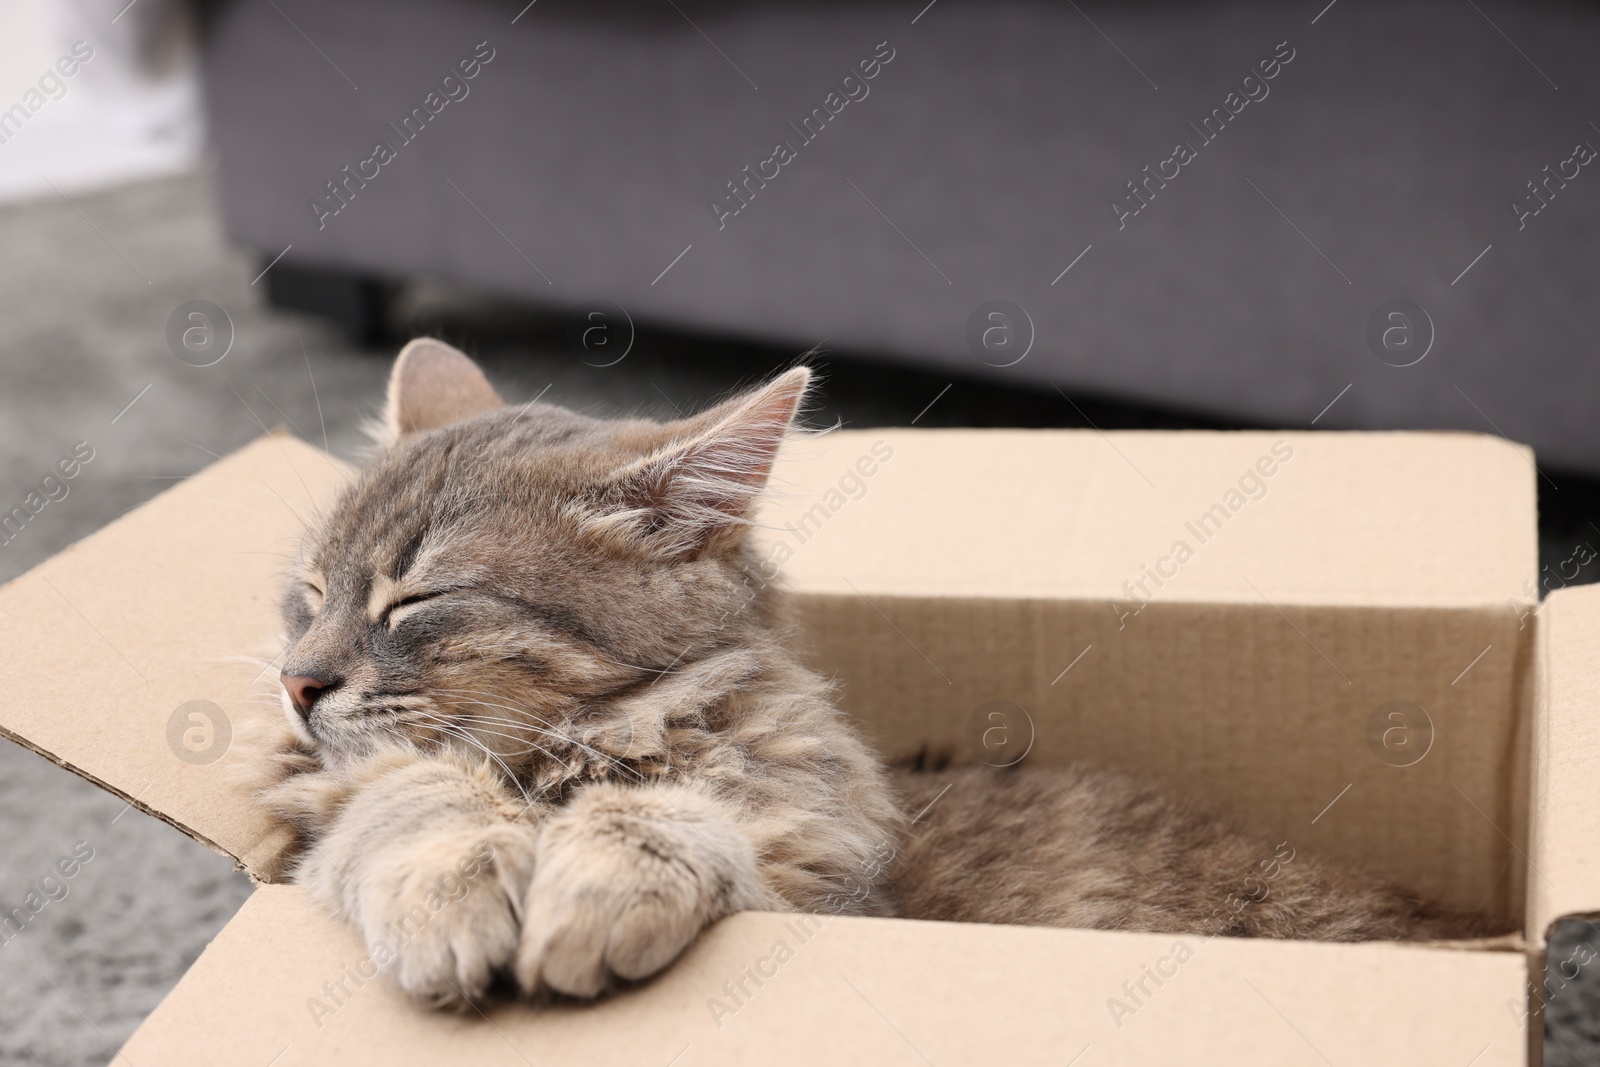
{"x": 527, "y": 672}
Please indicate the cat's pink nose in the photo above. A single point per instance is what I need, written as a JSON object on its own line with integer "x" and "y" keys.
{"x": 303, "y": 691}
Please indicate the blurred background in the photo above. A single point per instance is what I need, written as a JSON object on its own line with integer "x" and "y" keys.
{"x": 220, "y": 217}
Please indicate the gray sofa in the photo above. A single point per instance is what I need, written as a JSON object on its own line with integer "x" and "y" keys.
{"x": 1266, "y": 212}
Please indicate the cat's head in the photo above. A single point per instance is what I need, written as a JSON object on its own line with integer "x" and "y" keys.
{"x": 499, "y": 571}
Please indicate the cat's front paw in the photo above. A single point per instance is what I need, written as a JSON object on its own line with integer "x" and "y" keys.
{"x": 441, "y": 916}
{"x": 625, "y": 880}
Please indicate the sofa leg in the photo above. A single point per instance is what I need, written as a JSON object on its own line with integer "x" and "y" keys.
{"x": 356, "y": 303}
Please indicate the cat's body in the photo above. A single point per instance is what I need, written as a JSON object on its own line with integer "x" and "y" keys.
{"x": 541, "y": 722}
{"x": 1086, "y": 848}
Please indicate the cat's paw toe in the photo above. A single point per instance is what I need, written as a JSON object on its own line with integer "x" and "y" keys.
{"x": 443, "y": 931}
{"x": 625, "y": 879}
{"x": 648, "y": 935}
{"x": 578, "y": 946}
{"x": 578, "y": 934}
{"x": 451, "y": 958}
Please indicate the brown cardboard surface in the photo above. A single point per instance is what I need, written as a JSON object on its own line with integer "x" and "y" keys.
{"x": 1402, "y": 519}
{"x": 861, "y": 991}
{"x": 973, "y": 566}
{"x": 108, "y": 640}
{"x": 1566, "y": 762}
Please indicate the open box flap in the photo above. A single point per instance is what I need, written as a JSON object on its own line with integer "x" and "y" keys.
{"x": 283, "y": 980}
{"x": 137, "y": 656}
{"x": 1565, "y": 878}
{"x": 1366, "y": 519}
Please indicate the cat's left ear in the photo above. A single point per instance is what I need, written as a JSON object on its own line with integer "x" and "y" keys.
{"x": 434, "y": 385}
{"x": 696, "y": 493}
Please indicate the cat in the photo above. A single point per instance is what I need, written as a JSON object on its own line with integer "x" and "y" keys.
{"x": 539, "y": 722}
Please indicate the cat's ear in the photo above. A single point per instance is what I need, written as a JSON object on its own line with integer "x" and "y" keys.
{"x": 695, "y": 494}
{"x": 434, "y": 385}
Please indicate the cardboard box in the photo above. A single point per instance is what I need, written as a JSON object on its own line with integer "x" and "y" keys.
{"x": 1238, "y": 616}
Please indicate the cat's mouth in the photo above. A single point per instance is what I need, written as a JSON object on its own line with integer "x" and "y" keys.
{"x": 340, "y": 728}
{"x": 342, "y": 731}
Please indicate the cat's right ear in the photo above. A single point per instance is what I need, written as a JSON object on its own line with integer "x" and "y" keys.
{"x": 434, "y": 385}
{"x": 695, "y": 493}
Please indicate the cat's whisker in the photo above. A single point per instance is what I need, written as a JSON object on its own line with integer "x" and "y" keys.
{"x": 467, "y": 734}
{"x": 445, "y": 726}
{"x": 475, "y": 743}
{"x": 441, "y": 722}
{"x": 517, "y": 719}
{"x": 641, "y": 667}
{"x": 523, "y": 713}
{"x": 551, "y": 731}
{"x": 495, "y": 720}
{"x": 487, "y": 693}
{"x": 528, "y": 747}
{"x": 555, "y": 735}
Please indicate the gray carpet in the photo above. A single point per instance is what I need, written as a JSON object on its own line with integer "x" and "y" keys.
{"x": 89, "y": 287}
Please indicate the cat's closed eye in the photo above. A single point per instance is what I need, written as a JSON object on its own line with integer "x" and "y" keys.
{"x": 397, "y": 612}
{"x": 314, "y": 596}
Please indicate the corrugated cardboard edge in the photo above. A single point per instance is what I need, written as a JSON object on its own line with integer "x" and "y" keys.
{"x": 132, "y": 802}
{"x": 278, "y": 432}
{"x": 1564, "y": 785}
{"x": 1564, "y": 819}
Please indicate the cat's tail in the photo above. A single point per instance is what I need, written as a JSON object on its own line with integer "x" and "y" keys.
{"x": 1426, "y": 920}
